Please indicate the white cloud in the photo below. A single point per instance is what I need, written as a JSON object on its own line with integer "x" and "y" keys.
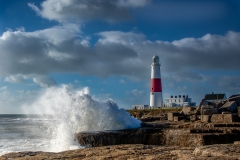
{"x": 137, "y": 92}
{"x": 122, "y": 81}
{"x": 124, "y": 38}
{"x": 18, "y": 78}
{"x": 29, "y": 54}
{"x": 41, "y": 80}
{"x": 3, "y": 88}
{"x": 44, "y": 81}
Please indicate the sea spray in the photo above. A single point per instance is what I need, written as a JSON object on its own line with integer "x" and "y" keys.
{"x": 76, "y": 111}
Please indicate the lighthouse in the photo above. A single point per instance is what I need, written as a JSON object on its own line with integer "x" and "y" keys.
{"x": 156, "y": 99}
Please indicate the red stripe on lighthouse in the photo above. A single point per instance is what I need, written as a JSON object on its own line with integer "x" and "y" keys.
{"x": 156, "y": 85}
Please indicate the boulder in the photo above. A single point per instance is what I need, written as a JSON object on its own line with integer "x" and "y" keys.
{"x": 188, "y": 110}
{"x": 178, "y": 118}
{"x": 208, "y": 110}
{"x": 193, "y": 117}
{"x": 205, "y": 118}
{"x": 236, "y": 142}
{"x": 171, "y": 115}
{"x": 224, "y": 118}
{"x": 229, "y": 106}
{"x": 197, "y": 111}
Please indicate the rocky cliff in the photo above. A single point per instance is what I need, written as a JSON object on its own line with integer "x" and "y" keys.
{"x": 185, "y": 134}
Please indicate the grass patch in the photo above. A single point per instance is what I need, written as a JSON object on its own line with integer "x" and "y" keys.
{"x": 154, "y": 111}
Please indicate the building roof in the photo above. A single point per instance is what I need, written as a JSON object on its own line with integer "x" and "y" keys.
{"x": 213, "y": 96}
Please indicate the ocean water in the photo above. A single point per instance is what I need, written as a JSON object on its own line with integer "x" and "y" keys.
{"x": 60, "y": 113}
{"x": 26, "y": 133}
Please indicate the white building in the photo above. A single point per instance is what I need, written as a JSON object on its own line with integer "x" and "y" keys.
{"x": 179, "y": 101}
{"x": 140, "y": 107}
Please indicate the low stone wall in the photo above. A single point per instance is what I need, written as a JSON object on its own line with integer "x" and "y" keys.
{"x": 224, "y": 118}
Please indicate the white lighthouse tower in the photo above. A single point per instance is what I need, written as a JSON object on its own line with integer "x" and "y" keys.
{"x": 156, "y": 99}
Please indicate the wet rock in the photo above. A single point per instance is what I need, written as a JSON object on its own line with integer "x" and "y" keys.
{"x": 150, "y": 136}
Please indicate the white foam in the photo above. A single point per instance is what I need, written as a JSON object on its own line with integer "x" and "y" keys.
{"x": 76, "y": 111}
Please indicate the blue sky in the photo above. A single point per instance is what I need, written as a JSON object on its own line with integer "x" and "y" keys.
{"x": 108, "y": 45}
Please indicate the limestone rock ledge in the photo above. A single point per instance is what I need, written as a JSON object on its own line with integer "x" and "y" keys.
{"x": 137, "y": 151}
{"x": 149, "y": 136}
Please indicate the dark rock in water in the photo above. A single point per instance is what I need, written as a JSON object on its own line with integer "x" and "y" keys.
{"x": 150, "y": 136}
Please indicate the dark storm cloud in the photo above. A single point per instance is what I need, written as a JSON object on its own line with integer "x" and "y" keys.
{"x": 173, "y": 11}
{"x": 81, "y": 10}
{"x": 230, "y": 82}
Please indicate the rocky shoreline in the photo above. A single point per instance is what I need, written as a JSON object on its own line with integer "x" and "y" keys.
{"x": 154, "y": 140}
{"x": 157, "y": 138}
{"x": 137, "y": 151}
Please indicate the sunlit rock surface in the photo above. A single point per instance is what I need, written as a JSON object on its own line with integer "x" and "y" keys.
{"x": 137, "y": 151}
